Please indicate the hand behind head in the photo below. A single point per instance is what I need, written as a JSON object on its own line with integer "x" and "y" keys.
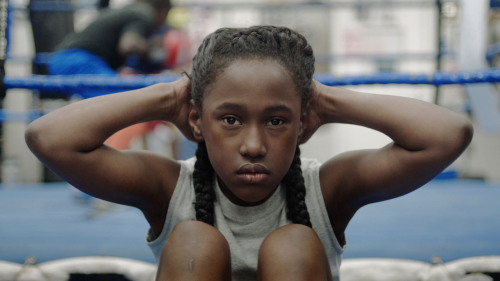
{"x": 311, "y": 119}
{"x": 181, "y": 107}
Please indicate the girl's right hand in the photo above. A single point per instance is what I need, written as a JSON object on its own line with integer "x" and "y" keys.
{"x": 180, "y": 107}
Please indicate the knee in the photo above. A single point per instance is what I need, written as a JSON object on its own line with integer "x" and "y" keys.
{"x": 292, "y": 244}
{"x": 291, "y": 234}
{"x": 293, "y": 252}
{"x": 194, "y": 228}
{"x": 197, "y": 235}
{"x": 193, "y": 251}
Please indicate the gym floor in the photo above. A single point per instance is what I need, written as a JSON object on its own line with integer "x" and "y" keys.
{"x": 447, "y": 218}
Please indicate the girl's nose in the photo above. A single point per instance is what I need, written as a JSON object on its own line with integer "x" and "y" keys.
{"x": 253, "y": 143}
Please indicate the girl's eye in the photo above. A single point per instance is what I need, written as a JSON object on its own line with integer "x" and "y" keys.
{"x": 275, "y": 122}
{"x": 230, "y": 120}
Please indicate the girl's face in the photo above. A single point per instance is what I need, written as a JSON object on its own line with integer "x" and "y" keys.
{"x": 250, "y": 122}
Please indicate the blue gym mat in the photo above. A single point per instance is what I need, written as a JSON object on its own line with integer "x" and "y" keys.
{"x": 449, "y": 218}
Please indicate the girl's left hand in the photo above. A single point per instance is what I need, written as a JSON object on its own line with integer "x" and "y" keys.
{"x": 311, "y": 119}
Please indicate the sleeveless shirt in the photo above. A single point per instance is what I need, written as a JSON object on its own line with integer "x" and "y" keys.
{"x": 246, "y": 227}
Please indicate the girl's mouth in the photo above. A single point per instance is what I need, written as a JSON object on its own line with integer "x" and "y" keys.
{"x": 253, "y": 173}
{"x": 253, "y": 178}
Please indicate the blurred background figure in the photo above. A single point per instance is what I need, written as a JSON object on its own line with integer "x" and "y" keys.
{"x": 49, "y": 28}
{"x": 105, "y": 45}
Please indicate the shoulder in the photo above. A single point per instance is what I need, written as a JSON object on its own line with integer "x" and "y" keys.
{"x": 187, "y": 166}
{"x": 185, "y": 178}
{"x": 183, "y": 193}
{"x": 309, "y": 164}
{"x": 321, "y": 219}
{"x": 310, "y": 172}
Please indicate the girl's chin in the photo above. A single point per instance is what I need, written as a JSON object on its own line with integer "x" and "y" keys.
{"x": 250, "y": 195}
{"x": 249, "y": 200}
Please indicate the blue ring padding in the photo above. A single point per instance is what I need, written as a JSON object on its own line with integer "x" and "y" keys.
{"x": 75, "y": 82}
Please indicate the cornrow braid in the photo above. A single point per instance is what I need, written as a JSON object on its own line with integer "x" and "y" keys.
{"x": 203, "y": 177}
{"x": 225, "y": 45}
{"x": 296, "y": 193}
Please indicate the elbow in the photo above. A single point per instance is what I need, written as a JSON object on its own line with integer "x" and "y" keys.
{"x": 461, "y": 137}
{"x": 466, "y": 133}
{"x": 36, "y": 138}
{"x": 32, "y": 137}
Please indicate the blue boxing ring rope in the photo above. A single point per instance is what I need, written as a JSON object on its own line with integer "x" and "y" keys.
{"x": 121, "y": 83}
{"x": 72, "y": 83}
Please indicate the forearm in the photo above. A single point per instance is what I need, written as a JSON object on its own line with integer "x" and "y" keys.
{"x": 412, "y": 124}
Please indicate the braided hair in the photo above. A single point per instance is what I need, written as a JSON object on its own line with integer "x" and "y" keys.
{"x": 216, "y": 52}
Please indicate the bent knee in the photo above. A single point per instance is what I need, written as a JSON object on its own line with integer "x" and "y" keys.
{"x": 194, "y": 228}
{"x": 293, "y": 252}
{"x": 197, "y": 235}
{"x": 194, "y": 250}
{"x": 291, "y": 233}
{"x": 292, "y": 241}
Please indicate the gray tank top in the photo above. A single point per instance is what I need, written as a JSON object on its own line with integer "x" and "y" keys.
{"x": 246, "y": 227}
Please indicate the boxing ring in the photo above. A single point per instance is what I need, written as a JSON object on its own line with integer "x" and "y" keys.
{"x": 449, "y": 227}
{"x": 447, "y": 230}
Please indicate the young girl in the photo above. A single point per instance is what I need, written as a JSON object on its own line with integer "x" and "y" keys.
{"x": 248, "y": 207}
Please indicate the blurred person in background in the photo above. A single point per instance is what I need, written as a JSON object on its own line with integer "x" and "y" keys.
{"x": 106, "y": 45}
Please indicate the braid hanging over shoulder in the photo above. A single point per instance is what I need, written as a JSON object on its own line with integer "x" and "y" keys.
{"x": 296, "y": 193}
{"x": 203, "y": 177}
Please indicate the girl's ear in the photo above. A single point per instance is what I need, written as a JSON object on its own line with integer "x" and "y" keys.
{"x": 195, "y": 122}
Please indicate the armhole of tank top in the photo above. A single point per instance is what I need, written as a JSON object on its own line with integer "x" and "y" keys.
{"x": 313, "y": 167}
{"x": 184, "y": 175}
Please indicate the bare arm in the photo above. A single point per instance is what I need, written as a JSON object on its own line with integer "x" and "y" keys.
{"x": 426, "y": 139}
{"x": 70, "y": 142}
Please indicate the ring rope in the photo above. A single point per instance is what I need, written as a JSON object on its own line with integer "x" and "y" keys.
{"x": 122, "y": 83}
{"x": 75, "y": 82}
{"x": 437, "y": 79}
{"x": 68, "y": 83}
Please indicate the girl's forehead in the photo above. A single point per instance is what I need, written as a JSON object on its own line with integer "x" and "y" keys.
{"x": 252, "y": 72}
{"x": 251, "y": 80}
{"x": 258, "y": 61}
